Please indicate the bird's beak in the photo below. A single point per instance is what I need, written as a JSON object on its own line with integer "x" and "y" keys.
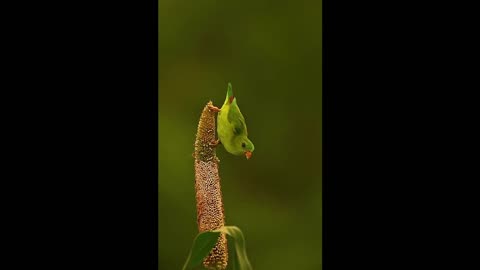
{"x": 248, "y": 154}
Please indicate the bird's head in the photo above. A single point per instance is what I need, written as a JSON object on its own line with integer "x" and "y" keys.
{"x": 247, "y": 148}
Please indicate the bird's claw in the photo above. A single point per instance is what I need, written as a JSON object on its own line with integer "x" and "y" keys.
{"x": 213, "y": 108}
{"x": 214, "y": 143}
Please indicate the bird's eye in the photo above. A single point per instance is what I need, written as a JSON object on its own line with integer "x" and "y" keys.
{"x": 243, "y": 145}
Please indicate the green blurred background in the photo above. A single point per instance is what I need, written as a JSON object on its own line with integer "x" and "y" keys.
{"x": 271, "y": 53}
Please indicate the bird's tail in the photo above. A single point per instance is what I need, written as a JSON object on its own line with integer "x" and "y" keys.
{"x": 230, "y": 96}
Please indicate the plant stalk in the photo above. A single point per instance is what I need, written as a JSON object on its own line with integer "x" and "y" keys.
{"x": 210, "y": 212}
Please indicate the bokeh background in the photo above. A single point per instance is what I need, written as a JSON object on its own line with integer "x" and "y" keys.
{"x": 271, "y": 53}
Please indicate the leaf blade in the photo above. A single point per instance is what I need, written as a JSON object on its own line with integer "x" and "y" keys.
{"x": 241, "y": 261}
{"x": 202, "y": 245}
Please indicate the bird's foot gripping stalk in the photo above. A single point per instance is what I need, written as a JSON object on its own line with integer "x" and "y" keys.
{"x": 213, "y": 108}
{"x": 214, "y": 143}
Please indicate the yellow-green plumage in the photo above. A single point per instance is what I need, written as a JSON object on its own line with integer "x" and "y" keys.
{"x": 231, "y": 127}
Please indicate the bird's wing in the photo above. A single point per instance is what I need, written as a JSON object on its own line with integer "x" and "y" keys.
{"x": 235, "y": 118}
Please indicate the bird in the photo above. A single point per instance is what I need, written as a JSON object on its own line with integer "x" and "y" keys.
{"x": 231, "y": 127}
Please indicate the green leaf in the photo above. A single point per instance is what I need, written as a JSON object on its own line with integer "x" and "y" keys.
{"x": 238, "y": 258}
{"x": 202, "y": 245}
{"x": 205, "y": 241}
{"x": 232, "y": 254}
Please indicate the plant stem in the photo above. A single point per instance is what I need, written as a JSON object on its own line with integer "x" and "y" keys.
{"x": 210, "y": 212}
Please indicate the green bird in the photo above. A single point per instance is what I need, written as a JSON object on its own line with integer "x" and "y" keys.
{"x": 231, "y": 127}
